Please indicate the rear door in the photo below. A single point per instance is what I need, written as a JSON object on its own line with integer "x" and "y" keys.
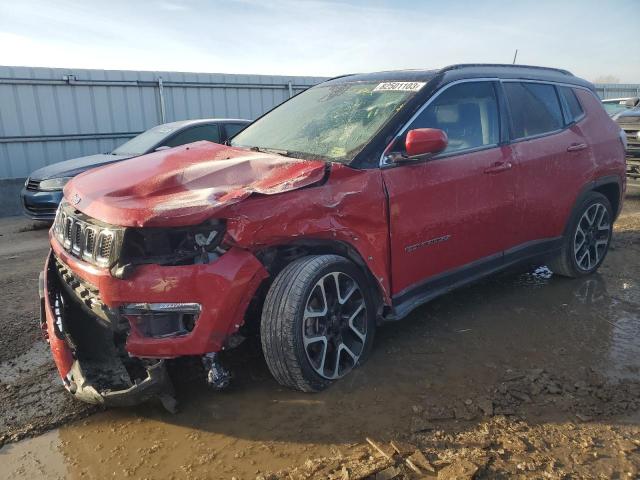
{"x": 456, "y": 209}
{"x": 553, "y": 160}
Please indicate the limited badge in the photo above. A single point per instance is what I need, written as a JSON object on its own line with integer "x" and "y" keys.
{"x": 399, "y": 86}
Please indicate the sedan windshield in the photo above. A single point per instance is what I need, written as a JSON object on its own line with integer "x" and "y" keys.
{"x": 144, "y": 142}
{"x": 328, "y": 122}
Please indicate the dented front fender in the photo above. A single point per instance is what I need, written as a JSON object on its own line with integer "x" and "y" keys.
{"x": 350, "y": 207}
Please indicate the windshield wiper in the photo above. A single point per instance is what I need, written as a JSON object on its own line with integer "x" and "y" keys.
{"x": 284, "y": 153}
{"x": 290, "y": 154}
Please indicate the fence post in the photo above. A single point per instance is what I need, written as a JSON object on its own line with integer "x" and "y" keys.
{"x": 163, "y": 116}
{"x": 290, "y": 90}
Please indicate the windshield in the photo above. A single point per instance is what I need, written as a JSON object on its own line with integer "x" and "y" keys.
{"x": 331, "y": 122}
{"x": 145, "y": 141}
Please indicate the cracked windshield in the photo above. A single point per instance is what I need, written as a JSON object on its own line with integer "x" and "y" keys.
{"x": 332, "y": 122}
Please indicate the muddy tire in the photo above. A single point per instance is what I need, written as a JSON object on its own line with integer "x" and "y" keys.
{"x": 318, "y": 322}
{"x": 586, "y": 241}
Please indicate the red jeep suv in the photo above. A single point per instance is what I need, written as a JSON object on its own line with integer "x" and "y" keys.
{"x": 349, "y": 205}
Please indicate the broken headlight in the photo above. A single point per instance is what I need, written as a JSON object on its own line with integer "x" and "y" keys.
{"x": 171, "y": 246}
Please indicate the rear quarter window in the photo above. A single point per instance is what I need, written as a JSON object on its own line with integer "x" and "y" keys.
{"x": 572, "y": 105}
{"x": 534, "y": 107}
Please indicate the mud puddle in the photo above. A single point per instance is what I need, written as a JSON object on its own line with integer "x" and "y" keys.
{"x": 454, "y": 355}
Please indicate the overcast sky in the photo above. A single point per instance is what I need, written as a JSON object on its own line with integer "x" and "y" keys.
{"x": 320, "y": 37}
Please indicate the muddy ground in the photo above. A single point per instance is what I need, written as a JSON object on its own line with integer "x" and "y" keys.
{"x": 521, "y": 375}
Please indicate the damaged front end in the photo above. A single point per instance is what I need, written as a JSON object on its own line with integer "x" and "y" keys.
{"x": 88, "y": 340}
{"x": 118, "y": 302}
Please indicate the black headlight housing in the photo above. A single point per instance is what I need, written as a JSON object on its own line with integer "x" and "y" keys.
{"x": 170, "y": 246}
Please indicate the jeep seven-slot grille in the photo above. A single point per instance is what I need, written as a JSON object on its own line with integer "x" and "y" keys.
{"x": 86, "y": 238}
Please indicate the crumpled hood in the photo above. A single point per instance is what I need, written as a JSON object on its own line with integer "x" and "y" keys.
{"x": 185, "y": 185}
{"x": 71, "y": 168}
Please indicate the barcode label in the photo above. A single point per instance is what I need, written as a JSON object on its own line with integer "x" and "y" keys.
{"x": 399, "y": 86}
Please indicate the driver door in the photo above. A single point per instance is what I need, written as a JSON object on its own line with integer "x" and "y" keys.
{"x": 451, "y": 215}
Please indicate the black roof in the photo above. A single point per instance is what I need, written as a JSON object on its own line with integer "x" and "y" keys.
{"x": 464, "y": 71}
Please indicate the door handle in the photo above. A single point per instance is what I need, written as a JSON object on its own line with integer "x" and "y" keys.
{"x": 498, "y": 167}
{"x": 576, "y": 147}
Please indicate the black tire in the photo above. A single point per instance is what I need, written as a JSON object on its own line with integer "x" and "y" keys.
{"x": 566, "y": 263}
{"x": 288, "y": 323}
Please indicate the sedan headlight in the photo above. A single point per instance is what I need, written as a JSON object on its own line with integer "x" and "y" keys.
{"x": 53, "y": 184}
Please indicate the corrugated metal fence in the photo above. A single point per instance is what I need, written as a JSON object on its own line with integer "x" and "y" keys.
{"x": 51, "y": 114}
{"x": 617, "y": 90}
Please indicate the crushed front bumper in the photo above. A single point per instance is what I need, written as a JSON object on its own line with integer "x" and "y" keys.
{"x": 95, "y": 358}
{"x": 157, "y": 384}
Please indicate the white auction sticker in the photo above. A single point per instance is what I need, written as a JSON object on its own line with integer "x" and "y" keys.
{"x": 399, "y": 86}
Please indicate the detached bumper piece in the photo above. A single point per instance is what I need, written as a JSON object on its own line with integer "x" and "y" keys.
{"x": 88, "y": 343}
{"x": 156, "y": 385}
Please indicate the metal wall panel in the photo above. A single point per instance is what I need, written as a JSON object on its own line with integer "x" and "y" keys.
{"x": 617, "y": 90}
{"x": 52, "y": 114}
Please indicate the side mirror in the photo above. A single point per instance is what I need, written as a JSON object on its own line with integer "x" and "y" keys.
{"x": 423, "y": 141}
{"x": 163, "y": 147}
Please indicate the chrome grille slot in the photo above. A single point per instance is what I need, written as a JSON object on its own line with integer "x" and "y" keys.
{"x": 105, "y": 245}
{"x": 77, "y": 237}
{"x": 68, "y": 227}
{"x": 89, "y": 243}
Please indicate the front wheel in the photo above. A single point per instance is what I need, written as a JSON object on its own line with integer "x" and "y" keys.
{"x": 318, "y": 322}
{"x": 587, "y": 239}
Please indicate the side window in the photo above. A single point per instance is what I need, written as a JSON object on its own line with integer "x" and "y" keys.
{"x": 572, "y": 105}
{"x": 534, "y": 108}
{"x": 194, "y": 134}
{"x": 232, "y": 128}
{"x": 467, "y": 112}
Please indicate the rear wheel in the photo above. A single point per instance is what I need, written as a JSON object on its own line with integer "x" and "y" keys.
{"x": 317, "y": 323}
{"x": 587, "y": 239}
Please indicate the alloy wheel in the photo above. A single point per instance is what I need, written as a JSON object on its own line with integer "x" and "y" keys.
{"x": 592, "y": 237}
{"x": 334, "y": 327}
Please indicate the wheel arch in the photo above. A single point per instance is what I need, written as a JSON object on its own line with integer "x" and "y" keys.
{"x": 609, "y": 186}
{"x": 276, "y": 257}
{"x": 611, "y": 190}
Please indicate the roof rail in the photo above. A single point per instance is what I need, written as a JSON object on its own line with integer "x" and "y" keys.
{"x": 505, "y": 65}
